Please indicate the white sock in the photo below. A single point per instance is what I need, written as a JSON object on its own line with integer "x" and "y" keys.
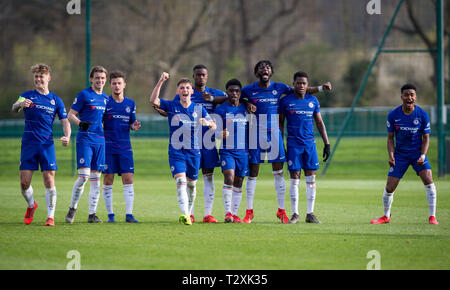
{"x": 128, "y": 196}
{"x": 28, "y": 195}
{"x": 208, "y": 192}
{"x": 431, "y": 198}
{"x": 192, "y": 194}
{"x": 236, "y": 198}
{"x": 280, "y": 187}
{"x": 182, "y": 196}
{"x": 388, "y": 198}
{"x": 293, "y": 193}
{"x": 50, "y": 200}
{"x": 310, "y": 193}
{"x": 227, "y": 193}
{"x": 250, "y": 191}
{"x": 78, "y": 187}
{"x": 94, "y": 191}
{"x": 108, "y": 198}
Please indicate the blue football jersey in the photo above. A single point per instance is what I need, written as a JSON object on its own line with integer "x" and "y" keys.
{"x": 408, "y": 129}
{"x": 266, "y": 101}
{"x": 234, "y": 119}
{"x": 185, "y": 129}
{"x": 299, "y": 115}
{"x": 117, "y": 120}
{"x": 40, "y": 115}
{"x": 197, "y": 97}
{"x": 91, "y": 107}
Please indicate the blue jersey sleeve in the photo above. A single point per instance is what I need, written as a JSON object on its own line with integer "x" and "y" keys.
{"x": 78, "y": 102}
{"x": 390, "y": 123}
{"x": 164, "y": 105}
{"x": 133, "y": 113}
{"x": 317, "y": 106}
{"x": 425, "y": 128}
{"x": 285, "y": 89}
{"x": 281, "y": 109}
{"x": 205, "y": 114}
{"x": 60, "y": 109}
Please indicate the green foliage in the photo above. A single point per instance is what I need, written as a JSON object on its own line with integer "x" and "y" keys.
{"x": 353, "y": 78}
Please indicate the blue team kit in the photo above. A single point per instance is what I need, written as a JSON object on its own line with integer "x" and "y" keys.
{"x": 408, "y": 131}
{"x": 209, "y": 156}
{"x": 37, "y": 140}
{"x": 266, "y": 101}
{"x": 301, "y": 145}
{"x": 117, "y": 120}
{"x": 91, "y": 143}
{"x": 234, "y": 149}
{"x": 185, "y": 136}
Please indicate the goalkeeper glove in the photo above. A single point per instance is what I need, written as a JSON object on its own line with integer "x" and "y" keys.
{"x": 84, "y": 126}
{"x": 326, "y": 152}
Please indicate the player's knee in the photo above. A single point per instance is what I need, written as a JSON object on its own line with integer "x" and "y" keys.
{"x": 25, "y": 184}
{"x": 83, "y": 176}
{"x": 191, "y": 184}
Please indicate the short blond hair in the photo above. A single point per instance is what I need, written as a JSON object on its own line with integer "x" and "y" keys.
{"x": 41, "y": 68}
{"x": 98, "y": 69}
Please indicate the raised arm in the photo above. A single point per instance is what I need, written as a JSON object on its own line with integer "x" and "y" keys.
{"x": 325, "y": 87}
{"x": 154, "y": 97}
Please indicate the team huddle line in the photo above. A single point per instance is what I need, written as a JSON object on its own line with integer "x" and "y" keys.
{"x": 249, "y": 121}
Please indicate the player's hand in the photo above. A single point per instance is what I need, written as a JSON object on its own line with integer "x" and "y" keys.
{"x": 136, "y": 125}
{"x": 421, "y": 161}
{"x": 64, "y": 140}
{"x": 326, "y": 152}
{"x": 207, "y": 96}
{"x": 164, "y": 77}
{"x": 84, "y": 126}
{"x": 392, "y": 161}
{"x": 26, "y": 104}
{"x": 160, "y": 111}
{"x": 327, "y": 86}
{"x": 250, "y": 108}
{"x": 225, "y": 134}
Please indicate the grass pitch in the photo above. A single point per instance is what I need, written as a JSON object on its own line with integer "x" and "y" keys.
{"x": 348, "y": 197}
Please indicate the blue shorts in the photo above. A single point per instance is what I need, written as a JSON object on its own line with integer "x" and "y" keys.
{"x": 91, "y": 156}
{"x": 403, "y": 161}
{"x": 34, "y": 155}
{"x": 275, "y": 153}
{"x": 119, "y": 162}
{"x": 185, "y": 161}
{"x": 304, "y": 157}
{"x": 238, "y": 161}
{"x": 209, "y": 158}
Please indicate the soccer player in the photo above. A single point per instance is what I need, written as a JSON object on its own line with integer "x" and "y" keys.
{"x": 87, "y": 113}
{"x": 234, "y": 149}
{"x": 40, "y": 107}
{"x": 408, "y": 139}
{"x": 118, "y": 120}
{"x": 301, "y": 110}
{"x": 262, "y": 98}
{"x": 208, "y": 98}
{"x": 184, "y": 156}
